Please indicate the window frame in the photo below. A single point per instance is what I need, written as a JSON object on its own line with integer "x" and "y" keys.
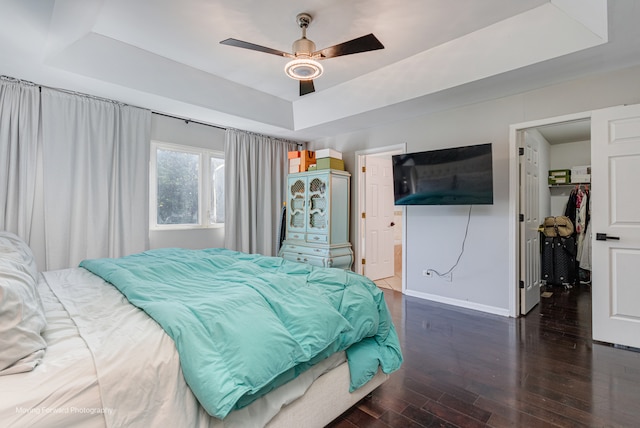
{"x": 204, "y": 185}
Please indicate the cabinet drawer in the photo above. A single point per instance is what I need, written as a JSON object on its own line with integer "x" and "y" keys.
{"x": 302, "y": 249}
{"x": 298, "y": 236}
{"x": 313, "y": 237}
{"x": 304, "y": 258}
{"x": 340, "y": 262}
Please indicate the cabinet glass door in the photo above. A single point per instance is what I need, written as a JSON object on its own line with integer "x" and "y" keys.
{"x": 318, "y": 204}
{"x": 297, "y": 204}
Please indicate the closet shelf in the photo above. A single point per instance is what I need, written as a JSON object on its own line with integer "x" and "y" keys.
{"x": 568, "y": 184}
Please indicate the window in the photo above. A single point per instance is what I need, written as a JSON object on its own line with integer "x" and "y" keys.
{"x": 186, "y": 187}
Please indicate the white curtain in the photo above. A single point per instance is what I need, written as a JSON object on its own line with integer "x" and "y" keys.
{"x": 255, "y": 181}
{"x": 95, "y": 166}
{"x": 19, "y": 119}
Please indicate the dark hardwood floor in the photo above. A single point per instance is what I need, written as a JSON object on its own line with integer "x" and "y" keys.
{"x": 465, "y": 368}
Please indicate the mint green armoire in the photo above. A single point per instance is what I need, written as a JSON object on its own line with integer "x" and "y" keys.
{"x": 317, "y": 222}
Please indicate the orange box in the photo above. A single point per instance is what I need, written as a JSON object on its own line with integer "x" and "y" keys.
{"x": 293, "y": 155}
{"x": 307, "y": 157}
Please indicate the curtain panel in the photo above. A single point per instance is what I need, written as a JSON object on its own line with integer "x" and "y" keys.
{"x": 255, "y": 180}
{"x": 19, "y": 120}
{"x": 95, "y": 170}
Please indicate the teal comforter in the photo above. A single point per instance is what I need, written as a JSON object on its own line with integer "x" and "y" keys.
{"x": 244, "y": 324}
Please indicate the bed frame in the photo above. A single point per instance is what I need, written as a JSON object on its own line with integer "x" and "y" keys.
{"x": 326, "y": 399}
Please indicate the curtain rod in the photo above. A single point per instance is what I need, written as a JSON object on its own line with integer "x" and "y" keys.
{"x": 67, "y": 91}
{"x": 188, "y": 120}
{"x": 285, "y": 140}
{"x": 300, "y": 144}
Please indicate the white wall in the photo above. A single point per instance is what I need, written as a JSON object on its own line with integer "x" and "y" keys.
{"x": 178, "y": 131}
{"x": 566, "y": 155}
{"x": 434, "y": 234}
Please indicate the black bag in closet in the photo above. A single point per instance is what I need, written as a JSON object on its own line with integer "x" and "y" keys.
{"x": 559, "y": 260}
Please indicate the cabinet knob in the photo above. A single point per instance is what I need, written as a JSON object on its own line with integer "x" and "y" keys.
{"x": 392, "y": 224}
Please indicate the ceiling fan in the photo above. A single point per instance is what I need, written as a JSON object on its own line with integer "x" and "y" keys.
{"x": 304, "y": 65}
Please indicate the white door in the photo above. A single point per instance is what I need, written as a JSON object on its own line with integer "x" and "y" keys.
{"x": 615, "y": 222}
{"x": 379, "y": 236}
{"x": 529, "y": 236}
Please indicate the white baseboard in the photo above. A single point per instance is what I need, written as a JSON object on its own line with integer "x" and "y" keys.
{"x": 459, "y": 303}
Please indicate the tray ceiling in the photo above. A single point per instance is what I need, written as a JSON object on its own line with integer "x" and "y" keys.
{"x": 166, "y": 56}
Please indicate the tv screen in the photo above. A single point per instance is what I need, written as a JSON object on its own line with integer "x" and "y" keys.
{"x": 454, "y": 176}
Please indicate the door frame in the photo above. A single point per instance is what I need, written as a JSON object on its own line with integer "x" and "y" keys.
{"x": 360, "y": 185}
{"x": 514, "y": 200}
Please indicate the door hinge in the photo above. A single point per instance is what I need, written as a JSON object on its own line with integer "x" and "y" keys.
{"x": 521, "y": 284}
{"x": 364, "y": 261}
{"x": 364, "y": 169}
{"x": 521, "y": 217}
{"x": 364, "y": 215}
{"x": 521, "y": 151}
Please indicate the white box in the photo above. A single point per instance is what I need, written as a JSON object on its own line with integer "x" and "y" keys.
{"x": 581, "y": 178}
{"x": 581, "y": 170}
{"x": 328, "y": 153}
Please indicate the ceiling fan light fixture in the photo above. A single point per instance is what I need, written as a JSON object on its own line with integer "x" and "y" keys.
{"x": 304, "y": 66}
{"x": 303, "y": 69}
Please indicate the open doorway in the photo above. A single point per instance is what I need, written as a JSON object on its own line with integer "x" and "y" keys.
{"x": 562, "y": 145}
{"x": 394, "y": 282}
{"x": 379, "y": 224}
{"x": 615, "y": 238}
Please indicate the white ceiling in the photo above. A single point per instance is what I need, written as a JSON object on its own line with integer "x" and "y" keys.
{"x": 566, "y": 132}
{"x": 165, "y": 55}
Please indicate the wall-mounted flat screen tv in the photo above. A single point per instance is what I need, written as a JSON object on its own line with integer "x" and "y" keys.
{"x": 453, "y": 176}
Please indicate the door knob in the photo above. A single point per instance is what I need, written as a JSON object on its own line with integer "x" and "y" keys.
{"x": 392, "y": 224}
{"x": 604, "y": 237}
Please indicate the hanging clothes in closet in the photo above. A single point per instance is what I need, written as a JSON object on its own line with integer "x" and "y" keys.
{"x": 579, "y": 211}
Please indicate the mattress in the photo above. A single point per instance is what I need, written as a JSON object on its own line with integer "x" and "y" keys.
{"x": 63, "y": 390}
{"x": 109, "y": 364}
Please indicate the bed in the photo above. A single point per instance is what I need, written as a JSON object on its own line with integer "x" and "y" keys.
{"x": 96, "y": 346}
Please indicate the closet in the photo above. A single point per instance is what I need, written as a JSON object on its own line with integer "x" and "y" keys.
{"x": 572, "y": 198}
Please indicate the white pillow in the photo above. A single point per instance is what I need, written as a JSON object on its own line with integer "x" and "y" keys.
{"x": 22, "y": 318}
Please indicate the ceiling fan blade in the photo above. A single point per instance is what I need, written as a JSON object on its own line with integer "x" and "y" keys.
{"x": 361, "y": 44}
{"x": 306, "y": 87}
{"x": 246, "y": 45}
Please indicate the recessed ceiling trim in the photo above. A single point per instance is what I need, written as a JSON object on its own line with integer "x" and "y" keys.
{"x": 113, "y": 61}
{"x": 540, "y": 34}
{"x": 590, "y": 13}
